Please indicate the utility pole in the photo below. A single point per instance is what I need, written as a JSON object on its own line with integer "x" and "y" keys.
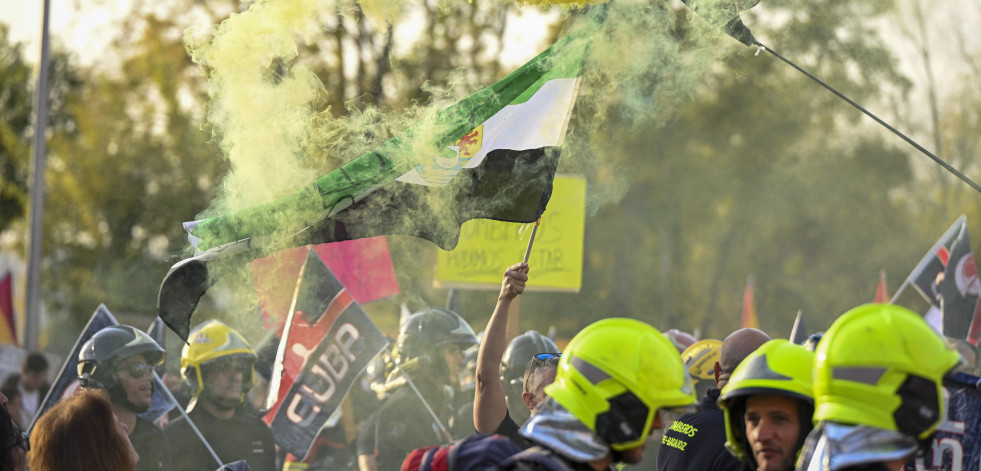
{"x": 38, "y": 165}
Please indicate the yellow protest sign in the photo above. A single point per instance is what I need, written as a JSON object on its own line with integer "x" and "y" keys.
{"x": 487, "y": 247}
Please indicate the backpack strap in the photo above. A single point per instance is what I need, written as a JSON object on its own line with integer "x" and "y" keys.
{"x": 427, "y": 459}
{"x": 452, "y": 452}
{"x": 536, "y": 455}
{"x": 454, "y": 449}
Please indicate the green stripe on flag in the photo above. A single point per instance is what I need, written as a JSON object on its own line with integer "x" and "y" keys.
{"x": 337, "y": 190}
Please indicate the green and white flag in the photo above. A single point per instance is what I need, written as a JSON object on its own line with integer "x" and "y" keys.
{"x": 496, "y": 155}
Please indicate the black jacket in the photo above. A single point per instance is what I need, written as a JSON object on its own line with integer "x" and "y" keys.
{"x": 696, "y": 441}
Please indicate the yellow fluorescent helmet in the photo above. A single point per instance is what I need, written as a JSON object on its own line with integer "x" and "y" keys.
{"x": 882, "y": 365}
{"x": 700, "y": 358}
{"x": 777, "y": 368}
{"x": 211, "y": 341}
{"x": 614, "y": 376}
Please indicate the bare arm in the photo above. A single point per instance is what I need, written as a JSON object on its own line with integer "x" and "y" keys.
{"x": 489, "y": 406}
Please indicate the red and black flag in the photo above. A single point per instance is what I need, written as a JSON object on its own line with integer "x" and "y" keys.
{"x": 330, "y": 342}
{"x": 947, "y": 278}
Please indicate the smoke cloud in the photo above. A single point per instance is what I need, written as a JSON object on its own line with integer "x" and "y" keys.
{"x": 268, "y": 106}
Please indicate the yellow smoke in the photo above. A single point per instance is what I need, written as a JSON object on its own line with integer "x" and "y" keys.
{"x": 268, "y": 106}
{"x": 564, "y": 3}
{"x": 263, "y": 118}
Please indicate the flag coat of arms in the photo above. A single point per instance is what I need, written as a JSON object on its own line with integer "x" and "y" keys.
{"x": 493, "y": 155}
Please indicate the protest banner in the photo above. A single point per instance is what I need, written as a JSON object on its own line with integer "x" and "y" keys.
{"x": 330, "y": 343}
{"x": 957, "y": 442}
{"x": 486, "y": 247}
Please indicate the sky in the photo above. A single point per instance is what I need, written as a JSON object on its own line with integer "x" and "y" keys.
{"x": 81, "y": 27}
{"x": 948, "y": 21}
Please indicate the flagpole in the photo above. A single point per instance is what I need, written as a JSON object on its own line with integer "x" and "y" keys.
{"x": 534, "y": 230}
{"x": 276, "y": 378}
{"x": 408, "y": 380}
{"x": 189, "y": 421}
{"x": 899, "y": 290}
{"x": 923, "y": 150}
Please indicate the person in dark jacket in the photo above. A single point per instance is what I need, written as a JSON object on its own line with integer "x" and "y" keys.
{"x": 768, "y": 406}
{"x": 878, "y": 390}
{"x": 218, "y": 366}
{"x": 615, "y": 379}
{"x": 696, "y": 441}
{"x": 120, "y": 360}
{"x": 418, "y": 408}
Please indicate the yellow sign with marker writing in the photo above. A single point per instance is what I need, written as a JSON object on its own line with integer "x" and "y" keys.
{"x": 488, "y": 247}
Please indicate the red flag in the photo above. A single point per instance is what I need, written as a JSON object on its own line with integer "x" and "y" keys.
{"x": 364, "y": 268}
{"x": 8, "y": 327}
{"x": 881, "y": 291}
{"x": 331, "y": 341}
{"x": 749, "y": 311}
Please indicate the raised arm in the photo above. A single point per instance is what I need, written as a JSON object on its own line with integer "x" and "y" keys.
{"x": 489, "y": 405}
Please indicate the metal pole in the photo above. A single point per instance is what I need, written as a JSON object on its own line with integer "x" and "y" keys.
{"x": 32, "y": 313}
{"x": 408, "y": 380}
{"x": 190, "y": 422}
{"x": 276, "y": 379}
{"x": 534, "y": 229}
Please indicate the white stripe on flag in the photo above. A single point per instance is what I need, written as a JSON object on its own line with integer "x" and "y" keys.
{"x": 538, "y": 122}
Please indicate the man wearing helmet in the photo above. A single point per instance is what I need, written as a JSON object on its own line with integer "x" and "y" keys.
{"x": 430, "y": 354}
{"x": 508, "y": 391}
{"x": 614, "y": 380}
{"x": 218, "y": 366}
{"x": 120, "y": 360}
{"x": 878, "y": 390}
{"x": 768, "y": 405}
{"x": 696, "y": 441}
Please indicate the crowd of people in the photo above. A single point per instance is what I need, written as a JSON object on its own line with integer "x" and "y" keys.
{"x": 865, "y": 395}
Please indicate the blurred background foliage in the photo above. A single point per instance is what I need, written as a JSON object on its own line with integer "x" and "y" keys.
{"x": 760, "y": 173}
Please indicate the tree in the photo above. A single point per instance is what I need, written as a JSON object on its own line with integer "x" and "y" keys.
{"x": 137, "y": 154}
{"x": 15, "y": 121}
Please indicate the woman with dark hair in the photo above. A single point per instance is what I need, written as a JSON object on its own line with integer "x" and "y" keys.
{"x": 81, "y": 434}
{"x": 13, "y": 442}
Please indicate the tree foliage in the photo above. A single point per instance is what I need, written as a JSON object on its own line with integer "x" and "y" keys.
{"x": 761, "y": 172}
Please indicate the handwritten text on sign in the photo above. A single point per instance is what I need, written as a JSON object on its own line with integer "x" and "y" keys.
{"x": 487, "y": 247}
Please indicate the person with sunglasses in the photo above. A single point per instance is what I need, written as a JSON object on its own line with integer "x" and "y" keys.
{"x": 617, "y": 381}
{"x": 120, "y": 359}
{"x": 511, "y": 382}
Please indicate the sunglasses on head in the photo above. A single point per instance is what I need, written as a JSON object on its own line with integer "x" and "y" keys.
{"x": 135, "y": 370}
{"x": 548, "y": 356}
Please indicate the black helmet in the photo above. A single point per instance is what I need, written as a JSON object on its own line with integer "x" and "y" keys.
{"x": 99, "y": 355}
{"x": 425, "y": 333}
{"x": 519, "y": 353}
